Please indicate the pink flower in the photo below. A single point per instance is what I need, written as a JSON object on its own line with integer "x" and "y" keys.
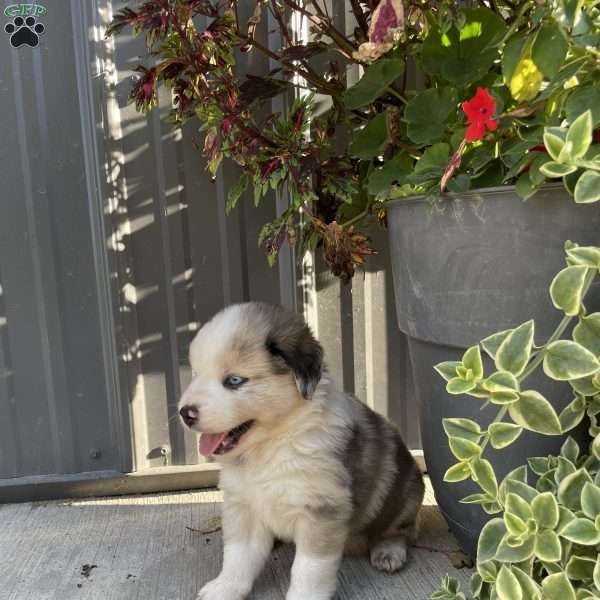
{"x": 387, "y": 20}
{"x": 480, "y": 112}
{"x": 387, "y": 23}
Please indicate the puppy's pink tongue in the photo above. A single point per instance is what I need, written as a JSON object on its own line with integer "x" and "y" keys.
{"x": 209, "y": 442}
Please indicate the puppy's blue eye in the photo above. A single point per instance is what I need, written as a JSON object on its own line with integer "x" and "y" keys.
{"x": 234, "y": 381}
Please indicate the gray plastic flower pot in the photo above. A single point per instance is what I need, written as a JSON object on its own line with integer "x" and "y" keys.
{"x": 479, "y": 263}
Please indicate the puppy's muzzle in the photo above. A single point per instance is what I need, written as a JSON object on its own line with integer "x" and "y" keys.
{"x": 189, "y": 414}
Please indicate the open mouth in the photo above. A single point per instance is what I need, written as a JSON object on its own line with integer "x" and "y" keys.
{"x": 222, "y": 443}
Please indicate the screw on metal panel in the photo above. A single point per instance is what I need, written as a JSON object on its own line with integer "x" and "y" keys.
{"x": 95, "y": 453}
{"x": 165, "y": 452}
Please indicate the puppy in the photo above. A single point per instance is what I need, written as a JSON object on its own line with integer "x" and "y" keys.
{"x": 301, "y": 460}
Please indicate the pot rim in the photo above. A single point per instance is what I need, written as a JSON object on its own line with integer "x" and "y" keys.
{"x": 475, "y": 194}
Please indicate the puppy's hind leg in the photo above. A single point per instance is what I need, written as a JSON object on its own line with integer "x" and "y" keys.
{"x": 389, "y": 555}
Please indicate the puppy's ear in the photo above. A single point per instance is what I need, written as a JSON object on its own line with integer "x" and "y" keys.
{"x": 293, "y": 344}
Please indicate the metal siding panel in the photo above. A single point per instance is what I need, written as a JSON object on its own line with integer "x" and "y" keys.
{"x": 49, "y": 276}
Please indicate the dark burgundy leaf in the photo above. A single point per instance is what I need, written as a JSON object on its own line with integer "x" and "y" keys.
{"x": 304, "y": 51}
{"x": 261, "y": 88}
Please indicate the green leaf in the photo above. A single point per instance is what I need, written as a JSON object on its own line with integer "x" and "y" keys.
{"x": 432, "y": 164}
{"x": 518, "y": 506}
{"x": 484, "y": 475}
{"x": 581, "y": 100}
{"x": 460, "y": 183}
{"x": 554, "y": 144}
{"x": 564, "y": 360}
{"x": 565, "y": 467}
{"x": 235, "y": 193}
{"x": 579, "y": 135}
{"x": 524, "y": 491}
{"x": 462, "y": 428}
{"x": 489, "y": 539}
{"x": 587, "y": 189}
{"x": 515, "y": 553}
{"x": 570, "y": 450}
{"x": 475, "y": 499}
{"x": 580, "y": 567}
{"x": 428, "y": 114}
{"x": 549, "y": 50}
{"x": 514, "y": 352}
{"x": 503, "y": 434}
{"x": 587, "y": 333}
{"x": 567, "y": 288}
{"x": 472, "y": 360}
{"x": 524, "y": 187}
{"x": 373, "y": 83}
{"x": 507, "y": 397}
{"x": 459, "y": 386}
{"x": 581, "y": 531}
{"x": 535, "y": 174}
{"x": 491, "y": 343}
{"x": 547, "y": 546}
{"x": 371, "y": 139}
{"x": 590, "y": 500}
{"x": 540, "y": 465}
{"x": 535, "y": 413}
{"x": 463, "y": 56}
{"x": 464, "y": 449}
{"x": 553, "y": 169}
{"x": 588, "y": 256}
{"x": 393, "y": 170}
{"x": 501, "y": 381}
{"x": 514, "y": 524}
{"x": 597, "y": 574}
{"x": 571, "y": 488}
{"x": 531, "y": 590}
{"x": 557, "y": 587}
{"x": 457, "y": 472}
{"x": 507, "y": 585}
{"x": 448, "y": 369}
{"x": 545, "y": 510}
{"x": 572, "y": 415}
{"x": 511, "y": 56}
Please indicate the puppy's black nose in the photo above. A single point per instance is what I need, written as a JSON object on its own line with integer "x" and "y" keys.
{"x": 189, "y": 414}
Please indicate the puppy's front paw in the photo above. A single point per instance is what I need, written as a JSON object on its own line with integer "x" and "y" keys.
{"x": 389, "y": 556}
{"x": 219, "y": 589}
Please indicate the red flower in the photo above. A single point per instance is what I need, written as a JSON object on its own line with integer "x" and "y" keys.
{"x": 480, "y": 114}
{"x": 596, "y": 136}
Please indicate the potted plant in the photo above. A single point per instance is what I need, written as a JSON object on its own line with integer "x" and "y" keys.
{"x": 459, "y": 111}
{"x": 543, "y": 537}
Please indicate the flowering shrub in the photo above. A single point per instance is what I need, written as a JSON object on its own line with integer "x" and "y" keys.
{"x": 544, "y": 541}
{"x": 492, "y": 79}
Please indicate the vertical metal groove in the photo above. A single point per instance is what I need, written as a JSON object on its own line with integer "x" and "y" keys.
{"x": 82, "y": 18}
{"x": 32, "y": 218}
{"x": 172, "y": 381}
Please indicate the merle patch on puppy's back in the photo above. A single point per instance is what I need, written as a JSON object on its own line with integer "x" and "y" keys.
{"x": 292, "y": 345}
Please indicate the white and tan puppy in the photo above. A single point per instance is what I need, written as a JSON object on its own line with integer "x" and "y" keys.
{"x": 301, "y": 460}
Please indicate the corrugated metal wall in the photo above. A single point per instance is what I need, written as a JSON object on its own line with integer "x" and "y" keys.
{"x": 114, "y": 247}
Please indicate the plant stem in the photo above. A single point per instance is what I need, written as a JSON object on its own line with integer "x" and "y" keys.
{"x": 357, "y": 218}
{"x": 397, "y": 94}
{"x": 517, "y": 22}
{"x": 501, "y": 413}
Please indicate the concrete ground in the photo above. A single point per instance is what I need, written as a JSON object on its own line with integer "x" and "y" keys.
{"x": 166, "y": 546}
